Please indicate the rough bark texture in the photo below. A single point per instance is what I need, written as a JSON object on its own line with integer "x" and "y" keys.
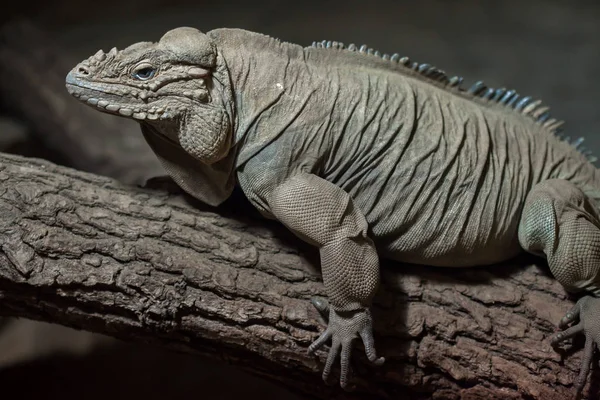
{"x": 88, "y": 252}
{"x": 32, "y": 86}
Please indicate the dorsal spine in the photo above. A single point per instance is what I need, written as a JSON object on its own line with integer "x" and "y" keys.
{"x": 509, "y": 98}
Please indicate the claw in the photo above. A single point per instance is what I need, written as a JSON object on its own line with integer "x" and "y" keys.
{"x": 369, "y": 343}
{"x": 566, "y": 334}
{"x": 570, "y": 316}
{"x": 586, "y": 310}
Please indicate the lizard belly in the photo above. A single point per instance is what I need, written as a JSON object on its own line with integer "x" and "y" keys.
{"x": 446, "y": 225}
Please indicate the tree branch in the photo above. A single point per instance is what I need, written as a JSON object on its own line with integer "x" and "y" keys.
{"x": 88, "y": 252}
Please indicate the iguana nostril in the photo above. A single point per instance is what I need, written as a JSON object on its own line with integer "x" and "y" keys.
{"x": 83, "y": 70}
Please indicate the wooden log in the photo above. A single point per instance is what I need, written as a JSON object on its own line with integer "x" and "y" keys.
{"x": 142, "y": 265}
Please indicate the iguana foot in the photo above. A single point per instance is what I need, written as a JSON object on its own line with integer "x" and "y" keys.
{"x": 343, "y": 328}
{"x": 587, "y": 311}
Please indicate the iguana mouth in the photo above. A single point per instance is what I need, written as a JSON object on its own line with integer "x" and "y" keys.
{"x": 99, "y": 99}
{"x": 108, "y": 101}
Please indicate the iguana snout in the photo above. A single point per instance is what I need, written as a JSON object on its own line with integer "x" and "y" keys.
{"x": 147, "y": 81}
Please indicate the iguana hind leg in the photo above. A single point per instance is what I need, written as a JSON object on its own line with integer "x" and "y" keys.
{"x": 562, "y": 224}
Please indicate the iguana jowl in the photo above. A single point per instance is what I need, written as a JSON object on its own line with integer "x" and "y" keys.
{"x": 363, "y": 156}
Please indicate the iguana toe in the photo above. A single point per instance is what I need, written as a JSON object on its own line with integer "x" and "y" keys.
{"x": 322, "y": 306}
{"x": 587, "y": 311}
{"x": 344, "y": 328}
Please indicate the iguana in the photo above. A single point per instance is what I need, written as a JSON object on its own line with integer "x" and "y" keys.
{"x": 364, "y": 156}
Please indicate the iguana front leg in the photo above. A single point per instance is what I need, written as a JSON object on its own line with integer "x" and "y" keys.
{"x": 561, "y": 223}
{"x": 324, "y": 215}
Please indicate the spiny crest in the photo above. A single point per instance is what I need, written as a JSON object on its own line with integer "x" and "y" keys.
{"x": 113, "y": 62}
{"x": 99, "y": 60}
{"x": 509, "y": 98}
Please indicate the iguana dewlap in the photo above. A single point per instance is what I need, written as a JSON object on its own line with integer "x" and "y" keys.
{"x": 363, "y": 156}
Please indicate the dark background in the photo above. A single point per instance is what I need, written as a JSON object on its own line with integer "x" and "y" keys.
{"x": 546, "y": 49}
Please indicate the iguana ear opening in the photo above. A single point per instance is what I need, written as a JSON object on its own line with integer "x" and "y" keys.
{"x": 189, "y": 45}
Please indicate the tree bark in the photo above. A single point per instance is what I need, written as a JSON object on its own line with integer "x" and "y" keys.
{"x": 32, "y": 86}
{"x": 88, "y": 252}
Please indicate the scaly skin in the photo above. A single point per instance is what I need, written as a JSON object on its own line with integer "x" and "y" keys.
{"x": 362, "y": 157}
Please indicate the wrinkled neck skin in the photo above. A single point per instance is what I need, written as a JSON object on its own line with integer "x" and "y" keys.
{"x": 262, "y": 108}
{"x": 204, "y": 130}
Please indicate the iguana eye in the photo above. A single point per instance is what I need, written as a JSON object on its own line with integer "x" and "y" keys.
{"x": 144, "y": 72}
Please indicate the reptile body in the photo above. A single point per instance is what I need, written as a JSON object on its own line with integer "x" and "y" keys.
{"x": 363, "y": 156}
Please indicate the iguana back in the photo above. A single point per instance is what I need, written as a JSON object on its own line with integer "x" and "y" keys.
{"x": 441, "y": 174}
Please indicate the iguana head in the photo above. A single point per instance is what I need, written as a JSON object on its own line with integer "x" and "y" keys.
{"x": 169, "y": 85}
